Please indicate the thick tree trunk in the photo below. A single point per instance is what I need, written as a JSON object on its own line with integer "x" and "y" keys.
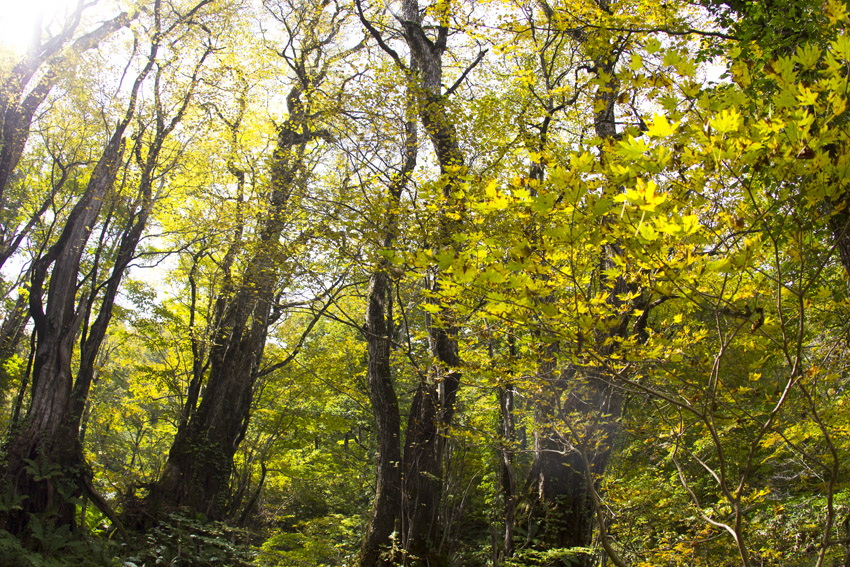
{"x": 24, "y": 90}
{"x": 559, "y": 514}
{"x": 385, "y": 518}
{"x": 200, "y": 462}
{"x": 197, "y": 473}
{"x": 377, "y": 548}
{"x": 434, "y": 400}
{"x": 433, "y": 403}
{"x": 44, "y": 458}
{"x": 430, "y": 416}
{"x": 561, "y": 510}
{"x": 561, "y": 498}
{"x": 562, "y": 514}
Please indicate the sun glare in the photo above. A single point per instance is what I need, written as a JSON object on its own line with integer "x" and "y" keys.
{"x": 21, "y": 20}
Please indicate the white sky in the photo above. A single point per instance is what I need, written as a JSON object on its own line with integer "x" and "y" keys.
{"x": 19, "y": 18}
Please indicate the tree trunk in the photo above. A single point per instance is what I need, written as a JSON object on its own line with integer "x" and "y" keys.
{"x": 22, "y": 93}
{"x": 384, "y": 520}
{"x": 562, "y": 514}
{"x": 200, "y": 462}
{"x": 507, "y": 471}
{"x": 434, "y": 400}
{"x": 559, "y": 514}
{"x": 433, "y": 403}
{"x": 44, "y": 459}
{"x": 561, "y": 510}
{"x": 561, "y": 499}
{"x": 197, "y": 474}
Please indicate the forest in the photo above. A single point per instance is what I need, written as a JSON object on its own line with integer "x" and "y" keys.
{"x": 425, "y": 283}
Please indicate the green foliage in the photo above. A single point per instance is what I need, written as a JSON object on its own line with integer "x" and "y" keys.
{"x": 559, "y": 557}
{"x": 691, "y": 264}
{"x": 323, "y": 541}
{"x": 52, "y": 546}
{"x": 182, "y": 541}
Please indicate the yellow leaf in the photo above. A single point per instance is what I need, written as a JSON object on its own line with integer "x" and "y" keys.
{"x": 727, "y": 121}
{"x": 660, "y": 127}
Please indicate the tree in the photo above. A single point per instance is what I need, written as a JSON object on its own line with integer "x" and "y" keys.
{"x": 44, "y": 464}
{"x": 197, "y": 473}
{"x": 23, "y": 91}
{"x": 378, "y": 331}
{"x": 415, "y": 517}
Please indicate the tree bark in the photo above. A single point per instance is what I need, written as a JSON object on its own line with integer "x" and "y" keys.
{"x": 507, "y": 470}
{"x": 44, "y": 458}
{"x": 200, "y": 462}
{"x": 433, "y": 403}
{"x": 21, "y": 94}
{"x": 385, "y": 519}
{"x": 562, "y": 512}
{"x": 197, "y": 472}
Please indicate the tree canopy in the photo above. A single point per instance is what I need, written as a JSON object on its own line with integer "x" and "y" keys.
{"x": 426, "y": 283}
